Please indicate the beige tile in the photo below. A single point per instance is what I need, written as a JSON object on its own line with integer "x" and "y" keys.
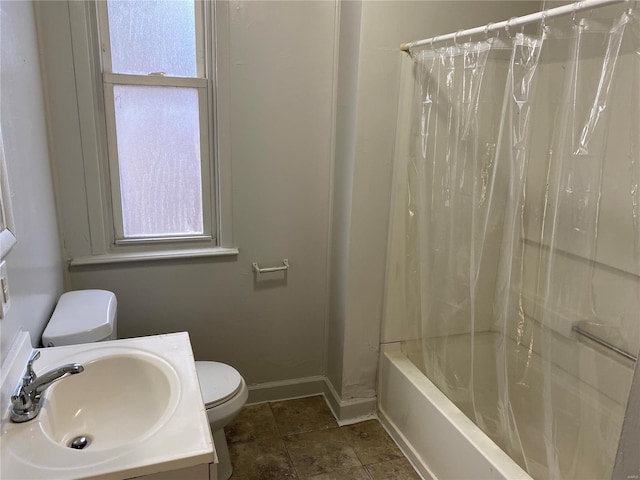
{"x": 324, "y": 451}
{"x": 302, "y": 415}
{"x": 399, "y": 469}
{"x": 254, "y": 422}
{"x": 259, "y": 477}
{"x": 371, "y": 442}
{"x": 261, "y": 460}
{"x": 357, "y": 473}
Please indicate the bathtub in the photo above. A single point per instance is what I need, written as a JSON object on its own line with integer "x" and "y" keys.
{"x": 440, "y": 441}
{"x": 443, "y": 443}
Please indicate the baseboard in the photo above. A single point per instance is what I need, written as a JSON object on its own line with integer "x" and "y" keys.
{"x": 345, "y": 411}
{"x": 349, "y": 411}
{"x": 286, "y": 389}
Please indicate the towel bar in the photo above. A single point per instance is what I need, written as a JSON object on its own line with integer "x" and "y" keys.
{"x": 604, "y": 343}
{"x": 257, "y": 269}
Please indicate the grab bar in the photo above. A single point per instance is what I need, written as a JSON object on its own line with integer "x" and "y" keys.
{"x": 604, "y": 343}
{"x": 258, "y": 270}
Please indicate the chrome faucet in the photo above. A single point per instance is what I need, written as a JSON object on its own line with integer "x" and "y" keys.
{"x": 26, "y": 400}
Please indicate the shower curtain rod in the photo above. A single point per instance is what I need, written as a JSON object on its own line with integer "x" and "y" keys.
{"x": 514, "y": 22}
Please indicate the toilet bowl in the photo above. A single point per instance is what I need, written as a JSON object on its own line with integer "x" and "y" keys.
{"x": 224, "y": 393}
{"x": 86, "y": 316}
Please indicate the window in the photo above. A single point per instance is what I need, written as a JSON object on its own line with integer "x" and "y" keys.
{"x": 157, "y": 101}
{"x": 135, "y": 90}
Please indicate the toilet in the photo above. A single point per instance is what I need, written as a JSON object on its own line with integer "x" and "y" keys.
{"x": 224, "y": 393}
{"x": 85, "y": 316}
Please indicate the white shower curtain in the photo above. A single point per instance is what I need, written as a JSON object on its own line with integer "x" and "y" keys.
{"x": 522, "y": 165}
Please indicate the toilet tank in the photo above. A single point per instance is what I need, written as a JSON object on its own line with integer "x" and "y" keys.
{"x": 82, "y": 316}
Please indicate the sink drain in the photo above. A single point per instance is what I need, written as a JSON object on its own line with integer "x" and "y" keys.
{"x": 80, "y": 443}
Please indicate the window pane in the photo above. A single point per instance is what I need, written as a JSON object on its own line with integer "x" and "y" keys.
{"x": 153, "y": 36}
{"x": 158, "y": 136}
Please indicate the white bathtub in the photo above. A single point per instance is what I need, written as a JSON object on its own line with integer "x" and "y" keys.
{"x": 438, "y": 438}
{"x": 444, "y": 443}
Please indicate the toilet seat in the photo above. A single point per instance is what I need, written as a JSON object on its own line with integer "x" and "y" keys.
{"x": 218, "y": 382}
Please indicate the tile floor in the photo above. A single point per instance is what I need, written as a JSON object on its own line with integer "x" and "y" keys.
{"x": 300, "y": 439}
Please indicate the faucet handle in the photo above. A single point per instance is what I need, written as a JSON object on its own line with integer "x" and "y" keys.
{"x": 20, "y": 400}
{"x": 31, "y": 374}
{"x": 22, "y": 406}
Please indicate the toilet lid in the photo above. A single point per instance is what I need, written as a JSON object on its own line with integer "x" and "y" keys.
{"x": 218, "y": 382}
{"x": 81, "y": 316}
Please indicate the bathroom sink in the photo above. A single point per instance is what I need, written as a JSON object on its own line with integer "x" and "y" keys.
{"x": 136, "y": 407}
{"x": 116, "y": 400}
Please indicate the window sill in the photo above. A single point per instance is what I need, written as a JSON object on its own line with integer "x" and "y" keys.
{"x": 110, "y": 258}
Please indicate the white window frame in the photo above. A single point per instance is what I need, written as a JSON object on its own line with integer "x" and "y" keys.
{"x": 94, "y": 239}
{"x": 202, "y": 82}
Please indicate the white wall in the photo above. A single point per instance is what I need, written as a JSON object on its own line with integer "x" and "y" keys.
{"x": 604, "y": 293}
{"x": 344, "y": 150}
{"x": 627, "y": 460}
{"x": 279, "y": 123}
{"x": 34, "y": 264}
{"x": 384, "y": 25}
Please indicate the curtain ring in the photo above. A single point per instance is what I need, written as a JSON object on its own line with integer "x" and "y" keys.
{"x": 455, "y": 38}
{"x": 576, "y": 6}
{"x": 507, "y": 27}
{"x": 545, "y": 27}
{"x": 486, "y": 30}
{"x": 431, "y": 42}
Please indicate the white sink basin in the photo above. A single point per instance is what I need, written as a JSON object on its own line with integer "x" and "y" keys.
{"x": 137, "y": 401}
{"x": 116, "y": 400}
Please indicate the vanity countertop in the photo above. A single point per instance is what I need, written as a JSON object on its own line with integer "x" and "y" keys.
{"x": 178, "y": 437}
